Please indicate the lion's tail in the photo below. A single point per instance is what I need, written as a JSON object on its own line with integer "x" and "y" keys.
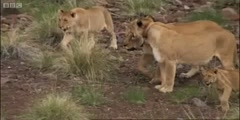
{"x": 236, "y": 59}
{"x": 108, "y": 19}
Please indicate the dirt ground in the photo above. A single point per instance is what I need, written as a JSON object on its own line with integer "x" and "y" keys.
{"x": 22, "y": 85}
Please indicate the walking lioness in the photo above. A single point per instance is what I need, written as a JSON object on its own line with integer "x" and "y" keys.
{"x": 80, "y": 20}
{"x": 131, "y": 43}
{"x": 170, "y": 47}
{"x": 226, "y": 81}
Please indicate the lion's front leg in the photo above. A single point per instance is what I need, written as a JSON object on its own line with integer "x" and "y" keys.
{"x": 162, "y": 77}
{"x": 145, "y": 60}
{"x": 225, "y": 97}
{"x": 191, "y": 72}
{"x": 65, "y": 41}
{"x": 156, "y": 76}
{"x": 169, "y": 72}
{"x": 114, "y": 41}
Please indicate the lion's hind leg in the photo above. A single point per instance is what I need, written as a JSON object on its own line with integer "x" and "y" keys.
{"x": 190, "y": 73}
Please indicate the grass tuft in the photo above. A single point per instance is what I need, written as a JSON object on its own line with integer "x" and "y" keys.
{"x": 146, "y": 7}
{"x": 86, "y": 60}
{"x": 88, "y": 95}
{"x": 182, "y": 94}
{"x": 234, "y": 115}
{"x": 135, "y": 95}
{"x": 16, "y": 44}
{"x": 56, "y": 107}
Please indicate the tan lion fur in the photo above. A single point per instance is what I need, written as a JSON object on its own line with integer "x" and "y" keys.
{"x": 80, "y": 20}
{"x": 186, "y": 28}
{"x": 226, "y": 81}
{"x": 170, "y": 47}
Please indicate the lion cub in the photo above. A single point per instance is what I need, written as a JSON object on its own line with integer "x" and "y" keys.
{"x": 225, "y": 80}
{"x": 80, "y": 20}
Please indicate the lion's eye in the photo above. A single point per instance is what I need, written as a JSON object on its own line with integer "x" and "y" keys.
{"x": 65, "y": 20}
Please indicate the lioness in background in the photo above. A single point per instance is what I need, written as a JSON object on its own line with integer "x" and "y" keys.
{"x": 80, "y": 20}
{"x": 225, "y": 80}
{"x": 170, "y": 47}
{"x": 186, "y": 28}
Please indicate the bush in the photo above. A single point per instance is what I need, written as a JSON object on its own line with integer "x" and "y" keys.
{"x": 85, "y": 60}
{"x": 16, "y": 44}
{"x": 88, "y": 95}
{"x": 56, "y": 107}
{"x": 135, "y": 95}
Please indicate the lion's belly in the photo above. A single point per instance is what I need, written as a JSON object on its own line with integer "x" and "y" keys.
{"x": 196, "y": 54}
{"x": 195, "y": 59}
{"x": 97, "y": 23}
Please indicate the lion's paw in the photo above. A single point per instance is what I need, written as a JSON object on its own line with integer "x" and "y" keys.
{"x": 158, "y": 87}
{"x": 154, "y": 81}
{"x": 185, "y": 75}
{"x": 114, "y": 46}
{"x": 166, "y": 89}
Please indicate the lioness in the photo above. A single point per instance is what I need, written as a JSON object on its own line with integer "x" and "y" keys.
{"x": 225, "y": 80}
{"x": 80, "y": 20}
{"x": 170, "y": 47}
{"x": 187, "y": 28}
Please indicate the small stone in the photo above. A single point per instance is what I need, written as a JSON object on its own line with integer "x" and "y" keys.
{"x": 22, "y": 63}
{"x": 230, "y": 13}
{"x": 179, "y": 2}
{"x": 204, "y": 8}
{"x": 198, "y": 102}
{"x": 186, "y": 7}
{"x": 9, "y": 67}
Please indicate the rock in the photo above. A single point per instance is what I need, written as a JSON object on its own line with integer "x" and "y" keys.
{"x": 230, "y": 13}
{"x": 186, "y": 7}
{"x": 198, "y": 102}
{"x": 179, "y": 2}
{"x": 204, "y": 8}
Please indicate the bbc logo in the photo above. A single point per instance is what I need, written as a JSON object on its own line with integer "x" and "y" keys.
{"x": 12, "y": 5}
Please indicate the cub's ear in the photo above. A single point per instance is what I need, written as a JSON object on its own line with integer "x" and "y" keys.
{"x": 60, "y": 11}
{"x": 73, "y": 14}
{"x": 139, "y": 23}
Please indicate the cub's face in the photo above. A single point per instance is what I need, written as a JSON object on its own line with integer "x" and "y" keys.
{"x": 65, "y": 20}
{"x": 209, "y": 76}
{"x": 135, "y": 29}
{"x": 132, "y": 42}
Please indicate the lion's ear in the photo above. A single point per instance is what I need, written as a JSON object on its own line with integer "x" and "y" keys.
{"x": 150, "y": 17}
{"x": 139, "y": 23}
{"x": 60, "y": 11}
{"x": 73, "y": 14}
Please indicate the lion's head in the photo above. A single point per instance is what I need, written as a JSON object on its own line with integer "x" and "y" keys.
{"x": 134, "y": 31}
{"x": 65, "y": 20}
{"x": 209, "y": 76}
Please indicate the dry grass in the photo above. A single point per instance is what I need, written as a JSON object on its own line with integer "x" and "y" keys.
{"x": 17, "y": 44}
{"x": 56, "y": 107}
{"x": 136, "y": 7}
